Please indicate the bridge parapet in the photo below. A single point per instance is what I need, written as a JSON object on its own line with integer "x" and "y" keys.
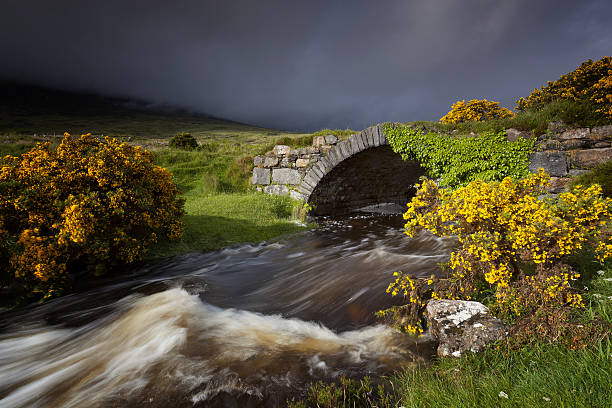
{"x": 296, "y": 172}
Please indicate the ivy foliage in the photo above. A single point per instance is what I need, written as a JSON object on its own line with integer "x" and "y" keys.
{"x": 456, "y": 161}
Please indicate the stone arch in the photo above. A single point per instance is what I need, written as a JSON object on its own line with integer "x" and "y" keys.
{"x": 359, "y": 171}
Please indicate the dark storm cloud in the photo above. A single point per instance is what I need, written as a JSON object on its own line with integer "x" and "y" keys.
{"x": 303, "y": 64}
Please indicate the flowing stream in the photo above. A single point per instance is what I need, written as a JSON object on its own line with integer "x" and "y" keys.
{"x": 245, "y": 326}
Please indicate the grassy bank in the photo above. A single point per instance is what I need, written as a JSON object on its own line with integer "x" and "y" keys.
{"x": 215, "y": 221}
{"x": 537, "y": 376}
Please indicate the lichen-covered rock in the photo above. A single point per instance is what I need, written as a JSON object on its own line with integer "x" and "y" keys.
{"x": 271, "y": 161}
{"x": 286, "y": 176}
{"x": 461, "y": 326}
{"x": 601, "y": 132}
{"x": 514, "y": 134}
{"x": 580, "y": 133}
{"x": 260, "y": 176}
{"x": 558, "y": 184}
{"x": 302, "y": 162}
{"x": 258, "y": 161}
{"x": 553, "y": 163}
{"x": 318, "y": 141}
{"x": 590, "y": 158}
{"x": 331, "y": 139}
{"x": 280, "y": 150}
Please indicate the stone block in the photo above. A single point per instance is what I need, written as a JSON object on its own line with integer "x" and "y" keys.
{"x": 319, "y": 169}
{"x": 325, "y": 149}
{"x": 601, "y": 132}
{"x": 554, "y": 163}
{"x": 383, "y": 138}
{"x": 318, "y": 141}
{"x": 271, "y": 161}
{"x": 305, "y": 190}
{"x": 331, "y": 139}
{"x": 313, "y": 150}
{"x": 311, "y": 179}
{"x": 286, "y": 176}
{"x": 258, "y": 161}
{"x": 577, "y": 172}
{"x": 572, "y": 144}
{"x": 580, "y": 133}
{"x": 294, "y": 152}
{"x": 600, "y": 145}
{"x": 558, "y": 184}
{"x": 276, "y": 189}
{"x": 281, "y": 150}
{"x": 550, "y": 144}
{"x": 260, "y": 176}
{"x": 302, "y": 163}
{"x": 590, "y": 158}
{"x": 514, "y": 134}
{"x": 369, "y": 137}
{"x": 285, "y": 162}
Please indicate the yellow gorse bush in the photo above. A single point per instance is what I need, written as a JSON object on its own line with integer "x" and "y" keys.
{"x": 590, "y": 82}
{"x": 509, "y": 240}
{"x": 82, "y": 206}
{"x": 475, "y": 110}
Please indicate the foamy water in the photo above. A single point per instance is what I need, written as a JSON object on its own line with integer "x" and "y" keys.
{"x": 245, "y": 326}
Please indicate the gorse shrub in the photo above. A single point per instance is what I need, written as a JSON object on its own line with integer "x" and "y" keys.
{"x": 457, "y": 161}
{"x": 512, "y": 246}
{"x": 183, "y": 141}
{"x": 81, "y": 207}
{"x": 589, "y": 84}
{"x": 475, "y": 111}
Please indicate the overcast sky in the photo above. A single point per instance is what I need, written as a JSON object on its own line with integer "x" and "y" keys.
{"x": 303, "y": 64}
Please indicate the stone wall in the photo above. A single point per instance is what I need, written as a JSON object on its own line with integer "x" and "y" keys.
{"x": 282, "y": 170}
{"x": 565, "y": 152}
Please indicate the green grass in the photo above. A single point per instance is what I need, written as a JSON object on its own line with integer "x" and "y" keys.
{"x": 215, "y": 221}
{"x": 602, "y": 175}
{"x": 535, "y": 377}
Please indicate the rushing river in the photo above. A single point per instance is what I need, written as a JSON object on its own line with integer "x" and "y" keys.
{"x": 245, "y": 326}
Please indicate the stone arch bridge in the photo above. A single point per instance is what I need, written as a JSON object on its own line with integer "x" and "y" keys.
{"x": 338, "y": 177}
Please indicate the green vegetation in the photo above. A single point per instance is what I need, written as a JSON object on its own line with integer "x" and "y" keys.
{"x": 601, "y": 175}
{"x": 459, "y": 160}
{"x": 183, "y": 141}
{"x": 215, "y": 221}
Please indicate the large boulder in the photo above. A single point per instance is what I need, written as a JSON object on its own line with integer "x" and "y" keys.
{"x": 461, "y": 326}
